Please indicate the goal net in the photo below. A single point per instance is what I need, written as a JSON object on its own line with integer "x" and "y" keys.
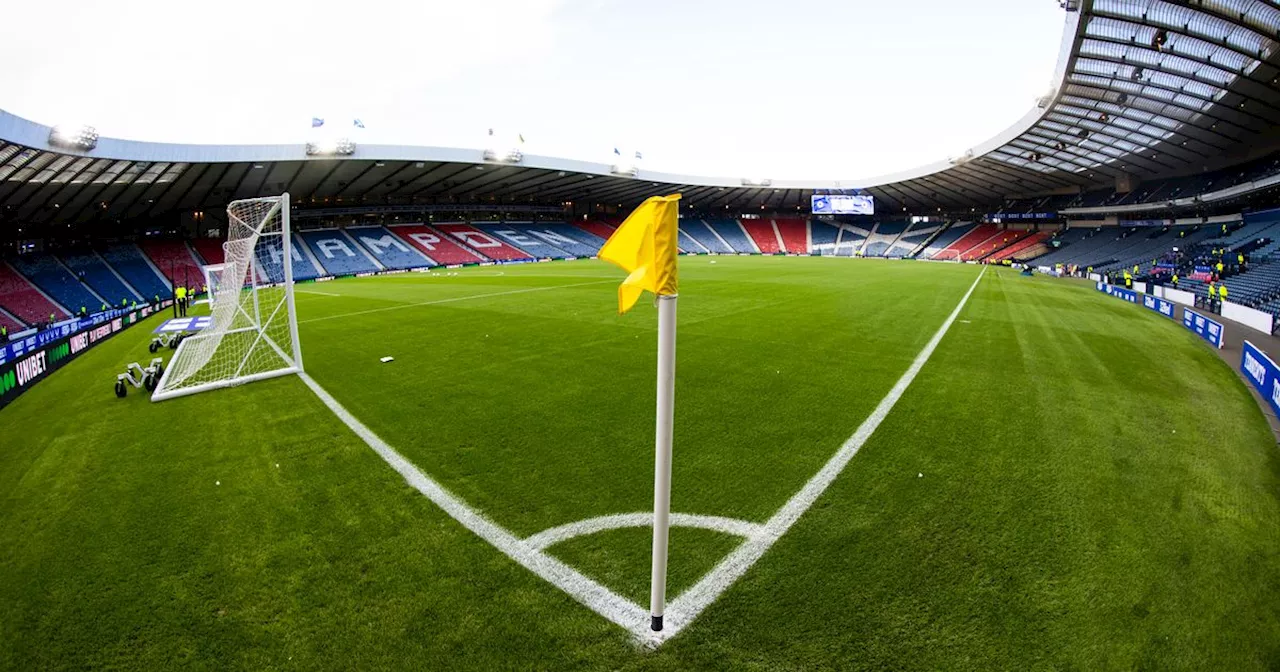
{"x": 254, "y": 331}
{"x": 212, "y": 281}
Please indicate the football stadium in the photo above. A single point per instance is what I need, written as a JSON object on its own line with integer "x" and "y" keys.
{"x": 352, "y": 404}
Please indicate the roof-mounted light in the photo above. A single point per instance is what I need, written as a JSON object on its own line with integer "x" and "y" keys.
{"x": 340, "y": 147}
{"x": 70, "y": 136}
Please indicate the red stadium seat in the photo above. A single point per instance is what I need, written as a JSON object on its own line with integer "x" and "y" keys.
{"x": 22, "y": 300}
{"x": 795, "y": 235}
{"x": 437, "y": 246}
{"x": 484, "y": 243}
{"x": 175, "y": 261}
{"x": 763, "y": 235}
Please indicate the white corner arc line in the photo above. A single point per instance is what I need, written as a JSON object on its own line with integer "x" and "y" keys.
{"x": 452, "y": 299}
{"x": 555, "y": 535}
{"x": 688, "y": 605}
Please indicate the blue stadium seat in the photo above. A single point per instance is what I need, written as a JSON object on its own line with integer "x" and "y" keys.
{"x": 518, "y": 235}
{"x": 338, "y": 254}
{"x": 99, "y": 277}
{"x": 388, "y": 248}
{"x": 271, "y": 260}
{"x": 732, "y": 233}
{"x": 130, "y": 263}
{"x": 822, "y": 238}
{"x": 699, "y": 231}
{"x": 56, "y": 281}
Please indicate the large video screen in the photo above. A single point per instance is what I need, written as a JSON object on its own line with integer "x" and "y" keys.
{"x": 843, "y": 204}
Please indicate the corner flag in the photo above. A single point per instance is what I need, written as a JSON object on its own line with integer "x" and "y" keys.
{"x": 646, "y": 246}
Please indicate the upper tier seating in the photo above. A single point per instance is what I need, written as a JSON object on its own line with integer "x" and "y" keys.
{"x": 483, "y": 243}
{"x": 388, "y": 248}
{"x": 132, "y": 265}
{"x": 175, "y": 261}
{"x": 21, "y": 298}
{"x": 100, "y": 277}
{"x": 763, "y": 235}
{"x": 732, "y": 233}
{"x": 437, "y": 246}
{"x": 705, "y": 235}
{"x": 338, "y": 254}
{"x": 56, "y": 281}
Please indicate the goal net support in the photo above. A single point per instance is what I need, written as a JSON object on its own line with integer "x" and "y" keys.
{"x": 254, "y": 331}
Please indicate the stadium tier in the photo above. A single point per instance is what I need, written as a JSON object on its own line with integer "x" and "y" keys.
{"x": 58, "y": 282}
{"x": 437, "y": 246}
{"x": 732, "y": 233}
{"x": 209, "y": 249}
{"x": 483, "y": 243}
{"x": 104, "y": 281}
{"x": 25, "y": 301}
{"x": 519, "y": 236}
{"x": 705, "y": 236}
{"x": 338, "y": 253}
{"x": 388, "y": 249}
{"x": 176, "y": 261}
{"x": 764, "y": 237}
{"x": 137, "y": 270}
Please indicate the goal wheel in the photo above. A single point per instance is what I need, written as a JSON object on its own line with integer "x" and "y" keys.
{"x": 155, "y": 345}
{"x": 121, "y": 390}
{"x": 149, "y": 382}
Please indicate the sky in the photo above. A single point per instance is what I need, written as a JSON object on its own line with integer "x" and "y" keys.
{"x": 801, "y": 89}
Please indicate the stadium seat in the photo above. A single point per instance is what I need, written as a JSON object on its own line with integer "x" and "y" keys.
{"x": 484, "y": 243}
{"x": 731, "y": 232}
{"x": 57, "y": 281}
{"x": 882, "y": 237}
{"x": 338, "y": 253}
{"x": 176, "y": 261}
{"x": 795, "y": 234}
{"x": 101, "y": 278}
{"x": 689, "y": 244}
{"x": 597, "y": 229}
{"x": 569, "y": 238}
{"x": 271, "y": 260}
{"x": 137, "y": 270}
{"x": 850, "y": 239}
{"x": 23, "y": 300}
{"x": 912, "y": 238}
{"x": 389, "y": 249}
{"x": 519, "y": 236}
{"x": 436, "y": 246}
{"x": 945, "y": 240}
{"x": 1026, "y": 243}
{"x": 705, "y": 236}
{"x": 763, "y": 235}
{"x": 823, "y": 238}
{"x": 973, "y": 238}
{"x": 210, "y": 250}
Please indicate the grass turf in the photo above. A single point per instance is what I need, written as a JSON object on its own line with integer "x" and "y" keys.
{"x": 1098, "y": 489}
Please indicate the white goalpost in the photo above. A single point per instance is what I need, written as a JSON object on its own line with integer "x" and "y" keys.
{"x": 212, "y": 281}
{"x": 254, "y": 333}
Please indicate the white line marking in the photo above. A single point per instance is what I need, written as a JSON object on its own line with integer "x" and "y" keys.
{"x": 585, "y": 590}
{"x": 685, "y": 608}
{"x": 617, "y": 609}
{"x": 555, "y": 535}
{"x": 312, "y": 291}
{"x": 455, "y": 298}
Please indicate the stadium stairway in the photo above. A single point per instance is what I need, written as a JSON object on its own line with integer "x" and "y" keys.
{"x": 794, "y": 233}
{"x": 705, "y": 236}
{"x": 338, "y": 253}
{"x": 732, "y": 233}
{"x": 945, "y": 240}
{"x": 518, "y": 236}
{"x": 57, "y": 281}
{"x": 688, "y": 243}
{"x": 209, "y": 250}
{"x": 175, "y": 261}
{"x": 129, "y": 262}
{"x": 25, "y": 301}
{"x": 100, "y": 277}
{"x": 436, "y": 246}
{"x": 822, "y": 238}
{"x": 763, "y": 235}
{"x": 388, "y": 249}
{"x": 483, "y": 242}
{"x": 8, "y": 321}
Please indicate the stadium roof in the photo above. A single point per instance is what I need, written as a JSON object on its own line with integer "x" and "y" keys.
{"x": 1147, "y": 88}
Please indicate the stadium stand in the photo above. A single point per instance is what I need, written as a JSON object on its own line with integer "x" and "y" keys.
{"x": 209, "y": 250}
{"x": 598, "y": 229}
{"x": 1022, "y": 249}
{"x": 945, "y": 240}
{"x": 851, "y": 240}
{"x": 337, "y": 252}
{"x": 517, "y": 235}
{"x": 705, "y": 236}
{"x": 133, "y": 266}
{"x": 795, "y": 235}
{"x": 23, "y": 300}
{"x": 483, "y": 242}
{"x": 912, "y": 238}
{"x": 763, "y": 235}
{"x": 176, "y": 261}
{"x": 569, "y": 238}
{"x": 271, "y": 260}
{"x": 47, "y": 273}
{"x": 436, "y": 246}
{"x": 8, "y": 321}
{"x": 822, "y": 238}
{"x": 689, "y": 244}
{"x": 991, "y": 243}
{"x": 883, "y": 237}
{"x": 973, "y": 238}
{"x": 732, "y": 233}
{"x": 101, "y": 278}
{"x": 388, "y": 248}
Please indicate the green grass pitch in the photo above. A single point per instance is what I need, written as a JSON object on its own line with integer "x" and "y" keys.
{"x": 1071, "y": 482}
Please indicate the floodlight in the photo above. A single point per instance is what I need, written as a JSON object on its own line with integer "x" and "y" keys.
{"x": 756, "y": 182}
{"x": 512, "y": 155}
{"x": 340, "y": 147}
{"x": 74, "y": 136}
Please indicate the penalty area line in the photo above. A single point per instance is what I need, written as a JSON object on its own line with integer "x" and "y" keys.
{"x": 312, "y": 291}
{"x": 434, "y": 302}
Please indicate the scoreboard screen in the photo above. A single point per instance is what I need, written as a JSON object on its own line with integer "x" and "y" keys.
{"x": 843, "y": 204}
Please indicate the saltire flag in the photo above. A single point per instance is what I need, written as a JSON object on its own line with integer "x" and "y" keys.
{"x": 521, "y": 136}
{"x": 316, "y": 122}
{"x": 646, "y": 246}
{"x": 357, "y": 123}
{"x": 638, "y": 155}
{"x": 616, "y": 152}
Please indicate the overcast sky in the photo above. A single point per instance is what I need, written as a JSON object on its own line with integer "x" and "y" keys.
{"x": 835, "y": 89}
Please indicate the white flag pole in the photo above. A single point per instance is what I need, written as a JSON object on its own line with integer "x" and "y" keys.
{"x": 662, "y": 456}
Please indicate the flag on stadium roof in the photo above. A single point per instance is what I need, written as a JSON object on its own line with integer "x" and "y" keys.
{"x": 638, "y": 155}
{"x": 316, "y": 122}
{"x": 616, "y": 152}
{"x": 521, "y": 136}
{"x": 357, "y": 123}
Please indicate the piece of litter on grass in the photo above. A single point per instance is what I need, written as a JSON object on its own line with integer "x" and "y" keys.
{"x": 217, "y": 482}
{"x": 277, "y": 465}
{"x": 919, "y": 475}
{"x": 384, "y": 360}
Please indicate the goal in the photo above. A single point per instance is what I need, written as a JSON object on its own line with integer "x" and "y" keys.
{"x": 212, "y": 281}
{"x": 254, "y": 331}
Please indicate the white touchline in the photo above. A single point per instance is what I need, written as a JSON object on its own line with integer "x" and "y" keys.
{"x": 312, "y": 291}
{"x": 433, "y": 302}
{"x": 529, "y": 552}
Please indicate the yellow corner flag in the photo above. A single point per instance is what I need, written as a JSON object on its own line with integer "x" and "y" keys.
{"x": 646, "y": 246}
